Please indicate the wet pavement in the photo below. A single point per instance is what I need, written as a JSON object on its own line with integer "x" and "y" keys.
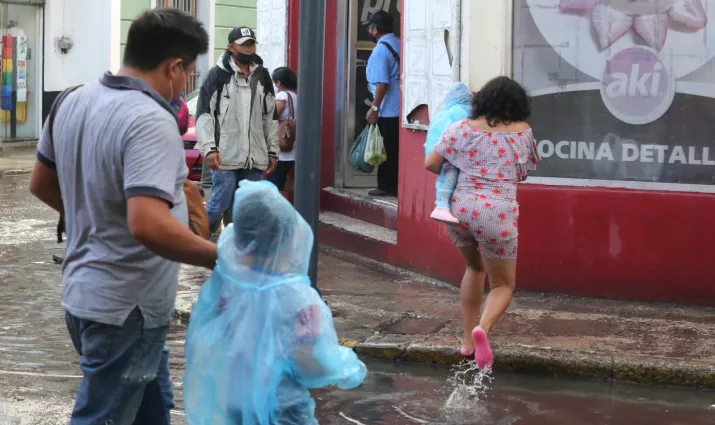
{"x": 16, "y": 161}
{"x": 390, "y": 313}
{"x": 39, "y": 374}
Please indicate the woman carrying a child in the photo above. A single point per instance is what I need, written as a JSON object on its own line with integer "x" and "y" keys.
{"x": 491, "y": 152}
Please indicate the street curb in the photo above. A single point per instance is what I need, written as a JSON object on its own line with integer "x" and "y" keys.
{"x": 16, "y": 172}
{"x": 538, "y": 360}
{"x": 547, "y": 361}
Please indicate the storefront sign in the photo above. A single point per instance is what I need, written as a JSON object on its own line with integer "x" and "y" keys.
{"x": 622, "y": 90}
{"x": 368, "y": 7}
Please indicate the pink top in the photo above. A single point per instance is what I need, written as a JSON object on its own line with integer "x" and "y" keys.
{"x": 490, "y": 163}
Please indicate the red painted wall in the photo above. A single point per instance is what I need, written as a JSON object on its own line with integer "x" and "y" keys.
{"x": 327, "y": 175}
{"x": 293, "y": 33}
{"x": 631, "y": 244}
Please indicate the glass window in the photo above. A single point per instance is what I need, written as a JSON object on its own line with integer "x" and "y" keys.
{"x": 192, "y": 101}
{"x": 188, "y": 6}
{"x": 622, "y": 91}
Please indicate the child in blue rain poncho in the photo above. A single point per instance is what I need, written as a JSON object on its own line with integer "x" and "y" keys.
{"x": 260, "y": 336}
{"x": 457, "y": 106}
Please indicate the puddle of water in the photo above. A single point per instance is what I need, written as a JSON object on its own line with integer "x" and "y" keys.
{"x": 412, "y": 394}
{"x": 470, "y": 385}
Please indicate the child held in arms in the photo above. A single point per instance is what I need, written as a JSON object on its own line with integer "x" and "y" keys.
{"x": 457, "y": 106}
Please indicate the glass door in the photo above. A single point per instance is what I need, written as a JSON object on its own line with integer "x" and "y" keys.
{"x": 359, "y": 46}
{"x": 21, "y": 93}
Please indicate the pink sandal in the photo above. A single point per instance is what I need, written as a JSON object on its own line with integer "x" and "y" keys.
{"x": 483, "y": 355}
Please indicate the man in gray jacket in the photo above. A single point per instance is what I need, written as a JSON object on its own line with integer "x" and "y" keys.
{"x": 235, "y": 126}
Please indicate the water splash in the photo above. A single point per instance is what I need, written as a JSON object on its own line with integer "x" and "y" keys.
{"x": 470, "y": 384}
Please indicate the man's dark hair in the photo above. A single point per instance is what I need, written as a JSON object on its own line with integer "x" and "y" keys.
{"x": 160, "y": 34}
{"x": 383, "y": 21}
{"x": 385, "y": 29}
{"x": 287, "y": 77}
{"x": 501, "y": 101}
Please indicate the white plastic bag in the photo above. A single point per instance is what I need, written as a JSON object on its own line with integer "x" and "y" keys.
{"x": 375, "y": 149}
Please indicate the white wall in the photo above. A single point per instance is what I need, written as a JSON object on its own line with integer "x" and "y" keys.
{"x": 206, "y": 13}
{"x": 94, "y": 27}
{"x": 486, "y": 40}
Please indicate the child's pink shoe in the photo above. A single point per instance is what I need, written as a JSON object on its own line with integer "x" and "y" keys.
{"x": 442, "y": 214}
{"x": 483, "y": 355}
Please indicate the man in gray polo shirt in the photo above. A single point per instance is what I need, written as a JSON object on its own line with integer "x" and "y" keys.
{"x": 113, "y": 165}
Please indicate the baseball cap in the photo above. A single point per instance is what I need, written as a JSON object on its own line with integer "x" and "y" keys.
{"x": 241, "y": 35}
{"x": 380, "y": 19}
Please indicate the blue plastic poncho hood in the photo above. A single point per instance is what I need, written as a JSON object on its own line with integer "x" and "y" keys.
{"x": 457, "y": 105}
{"x": 260, "y": 335}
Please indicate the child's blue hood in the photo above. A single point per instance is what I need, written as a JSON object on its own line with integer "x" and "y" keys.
{"x": 268, "y": 241}
{"x": 459, "y": 94}
{"x": 457, "y": 106}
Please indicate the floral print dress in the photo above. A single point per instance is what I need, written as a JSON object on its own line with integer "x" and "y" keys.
{"x": 491, "y": 164}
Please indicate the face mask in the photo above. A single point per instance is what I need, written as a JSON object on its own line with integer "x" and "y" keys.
{"x": 373, "y": 36}
{"x": 244, "y": 58}
{"x": 173, "y": 99}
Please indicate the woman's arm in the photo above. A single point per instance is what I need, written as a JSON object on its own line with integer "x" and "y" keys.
{"x": 434, "y": 161}
{"x": 280, "y": 106}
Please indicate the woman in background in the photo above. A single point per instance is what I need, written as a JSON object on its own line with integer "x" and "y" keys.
{"x": 286, "y": 84}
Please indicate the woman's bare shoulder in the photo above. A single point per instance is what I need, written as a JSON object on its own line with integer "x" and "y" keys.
{"x": 519, "y": 126}
{"x": 481, "y": 124}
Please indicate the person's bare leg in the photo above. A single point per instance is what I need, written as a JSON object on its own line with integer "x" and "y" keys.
{"x": 471, "y": 293}
{"x": 502, "y": 281}
{"x": 502, "y": 278}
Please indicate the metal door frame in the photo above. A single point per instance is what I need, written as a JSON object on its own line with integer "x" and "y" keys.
{"x": 345, "y": 93}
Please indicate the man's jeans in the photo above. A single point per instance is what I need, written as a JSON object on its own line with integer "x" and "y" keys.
{"x": 120, "y": 384}
{"x": 166, "y": 384}
{"x": 206, "y": 185}
{"x": 224, "y": 185}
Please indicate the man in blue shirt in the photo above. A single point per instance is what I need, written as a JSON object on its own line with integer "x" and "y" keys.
{"x": 383, "y": 77}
